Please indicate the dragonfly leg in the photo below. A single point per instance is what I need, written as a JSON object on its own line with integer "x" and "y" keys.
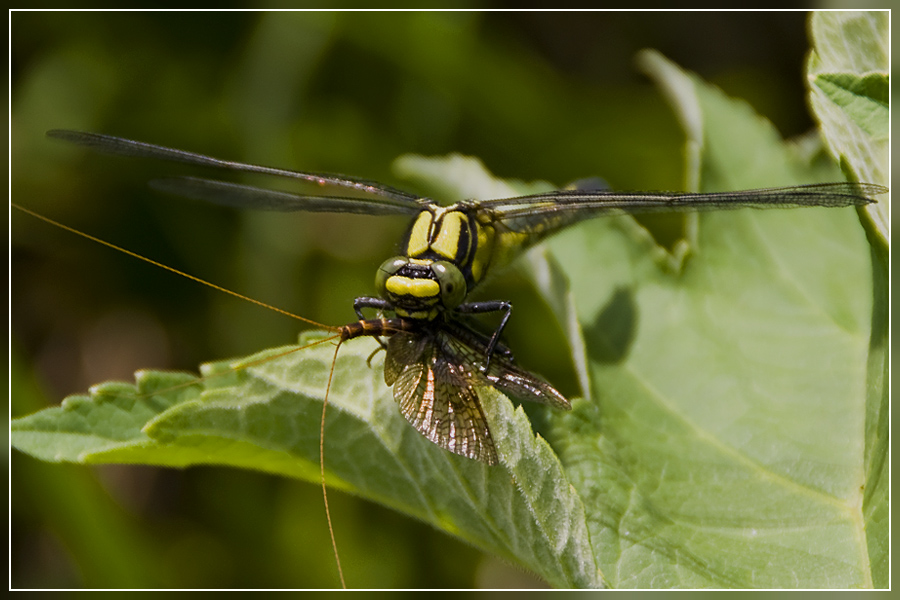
{"x": 377, "y": 303}
{"x": 376, "y": 351}
{"x": 366, "y": 302}
{"x": 491, "y": 306}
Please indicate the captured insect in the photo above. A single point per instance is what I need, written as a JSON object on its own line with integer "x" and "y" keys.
{"x": 436, "y": 360}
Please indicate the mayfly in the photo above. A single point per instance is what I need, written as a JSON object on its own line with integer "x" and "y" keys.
{"x": 436, "y": 360}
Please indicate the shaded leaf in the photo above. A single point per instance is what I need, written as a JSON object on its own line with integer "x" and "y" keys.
{"x": 849, "y": 80}
{"x": 848, "y": 74}
{"x": 724, "y": 442}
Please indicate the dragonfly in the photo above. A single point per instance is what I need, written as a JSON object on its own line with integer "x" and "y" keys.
{"x": 436, "y": 360}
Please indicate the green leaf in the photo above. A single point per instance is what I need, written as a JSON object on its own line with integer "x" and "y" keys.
{"x": 848, "y": 74}
{"x": 849, "y": 81}
{"x": 864, "y": 99}
{"x": 456, "y": 177}
{"x": 266, "y": 416}
{"x": 723, "y": 443}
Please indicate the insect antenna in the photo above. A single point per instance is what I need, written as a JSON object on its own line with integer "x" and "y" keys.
{"x": 337, "y": 559}
{"x": 172, "y": 269}
{"x": 337, "y": 336}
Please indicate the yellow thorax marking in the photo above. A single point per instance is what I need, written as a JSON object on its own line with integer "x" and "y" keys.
{"x": 483, "y": 250}
{"x": 447, "y": 241}
{"x": 421, "y": 231}
{"x": 444, "y": 241}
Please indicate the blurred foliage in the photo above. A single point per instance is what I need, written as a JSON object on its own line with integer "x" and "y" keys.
{"x": 534, "y": 95}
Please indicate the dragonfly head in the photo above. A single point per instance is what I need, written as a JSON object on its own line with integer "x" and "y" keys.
{"x": 420, "y": 288}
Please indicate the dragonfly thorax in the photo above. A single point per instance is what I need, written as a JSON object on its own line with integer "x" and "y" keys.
{"x": 420, "y": 288}
{"x": 435, "y": 272}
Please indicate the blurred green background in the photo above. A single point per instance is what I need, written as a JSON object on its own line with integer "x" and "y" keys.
{"x": 551, "y": 96}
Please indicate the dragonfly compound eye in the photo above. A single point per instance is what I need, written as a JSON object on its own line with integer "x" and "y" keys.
{"x": 387, "y": 269}
{"x": 452, "y": 283}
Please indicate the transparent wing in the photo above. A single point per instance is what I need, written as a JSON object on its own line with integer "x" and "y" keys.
{"x": 543, "y": 214}
{"x": 402, "y": 202}
{"x": 247, "y": 196}
{"x": 437, "y": 394}
{"x": 436, "y": 375}
{"x": 458, "y": 341}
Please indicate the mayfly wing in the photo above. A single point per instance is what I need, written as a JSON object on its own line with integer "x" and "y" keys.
{"x": 437, "y": 393}
{"x": 502, "y": 372}
{"x": 373, "y": 191}
{"x": 437, "y": 377}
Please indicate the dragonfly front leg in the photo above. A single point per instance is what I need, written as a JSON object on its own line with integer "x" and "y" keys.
{"x": 491, "y": 306}
{"x": 379, "y": 304}
{"x": 366, "y": 302}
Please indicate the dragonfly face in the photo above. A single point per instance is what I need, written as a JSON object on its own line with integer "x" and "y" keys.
{"x": 445, "y": 254}
{"x": 435, "y": 361}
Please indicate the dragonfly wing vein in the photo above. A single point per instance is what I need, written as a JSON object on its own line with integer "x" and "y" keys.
{"x": 226, "y": 193}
